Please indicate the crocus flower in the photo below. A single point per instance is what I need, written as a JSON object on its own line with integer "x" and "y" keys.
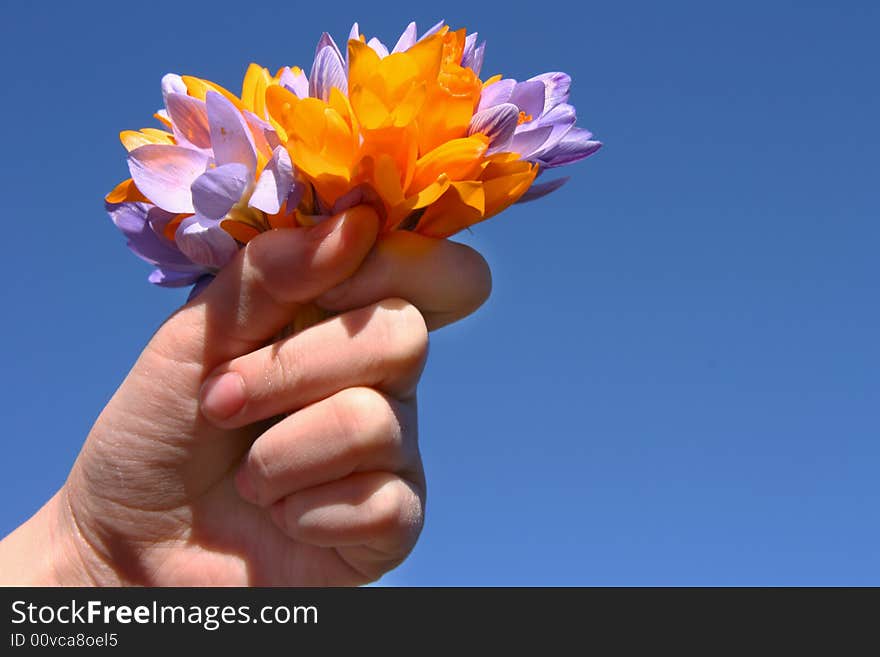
{"x": 411, "y": 129}
{"x": 398, "y": 132}
{"x": 214, "y": 178}
{"x": 533, "y": 118}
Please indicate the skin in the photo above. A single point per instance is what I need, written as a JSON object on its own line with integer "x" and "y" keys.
{"x": 230, "y": 457}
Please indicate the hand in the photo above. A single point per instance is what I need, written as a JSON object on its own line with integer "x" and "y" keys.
{"x": 189, "y": 477}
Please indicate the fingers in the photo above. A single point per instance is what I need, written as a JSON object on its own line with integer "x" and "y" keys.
{"x": 373, "y": 519}
{"x": 444, "y": 280}
{"x": 382, "y": 346}
{"x": 257, "y": 294}
{"x": 355, "y": 430}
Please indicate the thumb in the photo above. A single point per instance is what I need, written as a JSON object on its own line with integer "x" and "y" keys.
{"x": 258, "y": 294}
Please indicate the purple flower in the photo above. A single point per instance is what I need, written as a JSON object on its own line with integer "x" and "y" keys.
{"x": 209, "y": 175}
{"x": 533, "y": 118}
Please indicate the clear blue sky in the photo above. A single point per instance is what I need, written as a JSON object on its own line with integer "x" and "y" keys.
{"x": 676, "y": 379}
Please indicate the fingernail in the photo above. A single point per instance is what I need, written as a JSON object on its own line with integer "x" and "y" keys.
{"x": 245, "y": 486}
{"x": 223, "y": 395}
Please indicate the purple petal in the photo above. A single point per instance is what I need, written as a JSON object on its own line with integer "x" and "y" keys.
{"x": 264, "y": 135}
{"x": 297, "y": 82}
{"x": 496, "y": 93}
{"x": 328, "y": 71}
{"x": 200, "y": 286}
{"x": 556, "y": 86}
{"x": 527, "y": 142}
{"x": 470, "y": 45}
{"x": 542, "y": 189}
{"x": 190, "y": 119}
{"x": 217, "y": 190}
{"x": 170, "y": 277}
{"x": 378, "y": 47}
{"x": 563, "y": 113}
{"x": 498, "y": 123}
{"x": 205, "y": 242}
{"x": 561, "y": 118}
{"x": 230, "y": 137}
{"x": 164, "y": 174}
{"x": 172, "y": 84}
{"x": 574, "y": 146}
{"x": 407, "y": 40}
{"x": 529, "y": 96}
{"x": 274, "y": 184}
{"x": 475, "y": 61}
{"x": 327, "y": 41}
{"x": 433, "y": 30}
{"x": 132, "y": 219}
{"x": 295, "y": 196}
{"x": 354, "y": 32}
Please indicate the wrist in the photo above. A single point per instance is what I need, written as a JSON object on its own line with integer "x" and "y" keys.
{"x": 48, "y": 550}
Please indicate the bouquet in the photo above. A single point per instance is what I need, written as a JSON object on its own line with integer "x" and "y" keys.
{"x": 413, "y": 131}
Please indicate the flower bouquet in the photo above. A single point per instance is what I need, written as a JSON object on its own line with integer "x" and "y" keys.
{"x": 413, "y": 131}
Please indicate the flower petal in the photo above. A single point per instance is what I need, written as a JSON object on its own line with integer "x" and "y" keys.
{"x": 328, "y": 71}
{"x": 498, "y": 123}
{"x": 473, "y": 54}
{"x": 496, "y": 93}
{"x": 133, "y": 221}
{"x": 407, "y": 40}
{"x": 295, "y": 80}
{"x": 217, "y": 190}
{"x": 205, "y": 242}
{"x": 172, "y": 84}
{"x": 274, "y": 184}
{"x": 164, "y": 174}
{"x": 190, "y": 119}
{"x": 170, "y": 277}
{"x": 556, "y": 86}
{"x": 433, "y": 30}
{"x": 562, "y": 119}
{"x": 574, "y": 146}
{"x": 378, "y": 47}
{"x": 528, "y": 141}
{"x": 542, "y": 189}
{"x": 264, "y": 135}
{"x": 327, "y": 41}
{"x": 230, "y": 137}
{"x": 470, "y": 44}
{"x": 529, "y": 96}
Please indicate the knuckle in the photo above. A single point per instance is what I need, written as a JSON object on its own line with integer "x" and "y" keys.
{"x": 397, "y": 513}
{"x": 259, "y": 467}
{"x": 274, "y": 265}
{"x": 285, "y": 367}
{"x": 478, "y": 277}
{"x": 404, "y": 330}
{"x": 368, "y": 419}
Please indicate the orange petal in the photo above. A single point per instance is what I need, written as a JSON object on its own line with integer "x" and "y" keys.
{"x": 241, "y": 232}
{"x": 125, "y": 192}
{"x": 459, "y": 159}
{"x": 132, "y": 139}
{"x": 280, "y": 103}
{"x": 457, "y": 209}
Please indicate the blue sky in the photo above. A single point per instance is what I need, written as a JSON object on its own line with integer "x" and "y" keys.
{"x": 676, "y": 378}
